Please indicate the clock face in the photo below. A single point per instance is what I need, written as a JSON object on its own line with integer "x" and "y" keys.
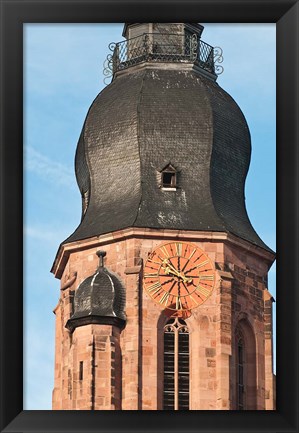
{"x": 178, "y": 276}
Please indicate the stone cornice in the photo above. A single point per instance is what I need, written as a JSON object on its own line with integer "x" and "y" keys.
{"x": 182, "y": 66}
{"x": 65, "y": 250}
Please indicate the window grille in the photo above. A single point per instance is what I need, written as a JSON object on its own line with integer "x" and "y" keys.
{"x": 176, "y": 365}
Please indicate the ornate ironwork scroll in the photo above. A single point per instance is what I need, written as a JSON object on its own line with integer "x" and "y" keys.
{"x": 110, "y": 62}
{"x": 218, "y": 58}
{"x": 166, "y": 47}
{"x": 194, "y": 48}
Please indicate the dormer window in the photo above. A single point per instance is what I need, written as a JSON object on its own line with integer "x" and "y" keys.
{"x": 169, "y": 177}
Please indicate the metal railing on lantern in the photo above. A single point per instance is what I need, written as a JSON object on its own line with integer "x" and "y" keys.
{"x": 160, "y": 47}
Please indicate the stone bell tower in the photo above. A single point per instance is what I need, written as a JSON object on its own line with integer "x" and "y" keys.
{"x": 164, "y": 303}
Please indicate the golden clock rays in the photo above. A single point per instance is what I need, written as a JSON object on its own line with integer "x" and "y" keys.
{"x": 179, "y": 276}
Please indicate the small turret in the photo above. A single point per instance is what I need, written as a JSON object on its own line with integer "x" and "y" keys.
{"x": 99, "y": 299}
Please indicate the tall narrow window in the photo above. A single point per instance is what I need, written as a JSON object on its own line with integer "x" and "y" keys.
{"x": 176, "y": 365}
{"x": 240, "y": 377}
{"x": 246, "y": 372}
{"x": 81, "y": 370}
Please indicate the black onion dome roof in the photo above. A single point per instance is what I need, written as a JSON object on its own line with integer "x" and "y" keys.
{"x": 99, "y": 299}
{"x": 143, "y": 121}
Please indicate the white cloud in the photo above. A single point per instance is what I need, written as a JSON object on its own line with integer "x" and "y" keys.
{"x": 45, "y": 234}
{"x": 47, "y": 169}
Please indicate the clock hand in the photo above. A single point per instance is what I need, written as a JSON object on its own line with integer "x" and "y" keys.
{"x": 179, "y": 275}
{"x": 186, "y": 279}
{"x": 168, "y": 270}
{"x": 176, "y": 272}
{"x": 173, "y": 272}
{"x": 167, "y": 262}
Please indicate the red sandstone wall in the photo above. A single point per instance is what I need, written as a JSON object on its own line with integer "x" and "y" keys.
{"x": 127, "y": 368}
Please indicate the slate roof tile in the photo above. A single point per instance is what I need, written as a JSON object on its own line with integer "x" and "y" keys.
{"x": 145, "y": 120}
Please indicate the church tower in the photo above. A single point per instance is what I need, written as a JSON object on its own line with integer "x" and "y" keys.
{"x": 164, "y": 303}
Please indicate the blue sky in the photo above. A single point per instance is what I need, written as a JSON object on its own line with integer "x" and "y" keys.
{"x": 63, "y": 73}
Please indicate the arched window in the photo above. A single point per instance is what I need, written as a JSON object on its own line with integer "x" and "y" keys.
{"x": 246, "y": 371}
{"x": 176, "y": 365}
{"x": 240, "y": 374}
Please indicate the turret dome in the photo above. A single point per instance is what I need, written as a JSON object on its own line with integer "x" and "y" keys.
{"x": 99, "y": 299}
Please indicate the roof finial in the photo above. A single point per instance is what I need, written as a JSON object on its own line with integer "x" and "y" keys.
{"x": 101, "y": 254}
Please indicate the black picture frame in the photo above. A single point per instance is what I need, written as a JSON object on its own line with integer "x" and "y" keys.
{"x": 285, "y": 13}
